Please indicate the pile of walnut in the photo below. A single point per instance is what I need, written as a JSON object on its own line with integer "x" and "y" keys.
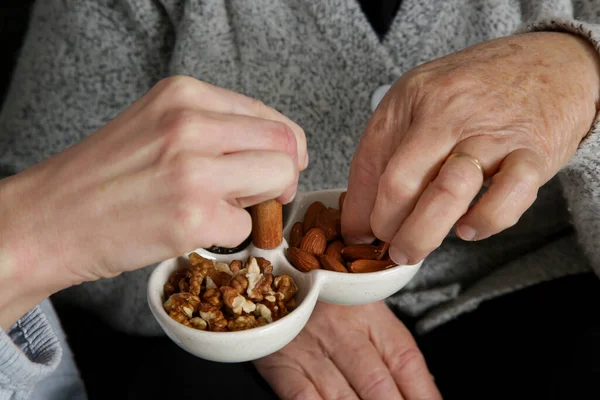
{"x": 316, "y": 243}
{"x": 218, "y": 297}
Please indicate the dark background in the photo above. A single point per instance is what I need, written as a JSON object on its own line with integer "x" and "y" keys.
{"x": 14, "y": 15}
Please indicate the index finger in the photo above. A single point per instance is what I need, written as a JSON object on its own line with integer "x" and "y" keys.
{"x": 185, "y": 91}
{"x": 379, "y": 199}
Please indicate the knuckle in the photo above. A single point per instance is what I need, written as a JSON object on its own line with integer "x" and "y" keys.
{"x": 178, "y": 84}
{"x": 280, "y": 136}
{"x": 449, "y": 94}
{"x": 394, "y": 186}
{"x": 178, "y": 89}
{"x": 455, "y": 82}
{"x": 455, "y": 185}
{"x": 377, "y": 380}
{"x": 301, "y": 392}
{"x": 257, "y": 107}
{"x": 178, "y": 122}
{"x": 365, "y": 170}
{"x": 406, "y": 359}
{"x": 415, "y": 80}
{"x": 184, "y": 175}
{"x": 524, "y": 176}
{"x": 445, "y": 191}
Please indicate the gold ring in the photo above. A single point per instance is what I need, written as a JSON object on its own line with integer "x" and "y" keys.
{"x": 472, "y": 159}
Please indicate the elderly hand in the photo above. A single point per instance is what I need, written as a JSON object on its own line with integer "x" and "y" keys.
{"x": 172, "y": 173}
{"x": 350, "y": 353}
{"x": 511, "y": 110}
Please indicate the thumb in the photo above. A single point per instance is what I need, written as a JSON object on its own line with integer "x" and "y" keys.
{"x": 360, "y": 200}
{"x": 375, "y": 149}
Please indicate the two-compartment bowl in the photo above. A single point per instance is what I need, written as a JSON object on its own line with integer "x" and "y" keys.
{"x": 322, "y": 285}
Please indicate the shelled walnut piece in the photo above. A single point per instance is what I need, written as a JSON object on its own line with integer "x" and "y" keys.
{"x": 221, "y": 297}
{"x": 316, "y": 243}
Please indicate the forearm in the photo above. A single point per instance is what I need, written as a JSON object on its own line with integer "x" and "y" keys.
{"x": 64, "y": 89}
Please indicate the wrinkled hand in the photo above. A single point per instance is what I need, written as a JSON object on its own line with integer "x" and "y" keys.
{"x": 350, "y": 353}
{"x": 172, "y": 173}
{"x": 520, "y": 105}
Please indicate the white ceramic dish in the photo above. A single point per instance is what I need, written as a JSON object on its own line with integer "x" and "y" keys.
{"x": 327, "y": 286}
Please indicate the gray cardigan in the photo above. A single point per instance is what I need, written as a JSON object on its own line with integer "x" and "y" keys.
{"x": 318, "y": 62}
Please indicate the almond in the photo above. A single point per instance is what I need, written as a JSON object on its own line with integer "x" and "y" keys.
{"x": 329, "y": 220}
{"x": 341, "y": 200}
{"x": 334, "y": 250}
{"x": 296, "y": 234}
{"x": 360, "y": 252}
{"x": 302, "y": 260}
{"x": 369, "y": 265}
{"x": 331, "y": 264}
{"x": 314, "y": 241}
{"x": 267, "y": 224}
{"x": 311, "y": 215}
{"x": 383, "y": 249}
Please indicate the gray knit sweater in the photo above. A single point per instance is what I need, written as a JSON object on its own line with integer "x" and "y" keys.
{"x": 318, "y": 62}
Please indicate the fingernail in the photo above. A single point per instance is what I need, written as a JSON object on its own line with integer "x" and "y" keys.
{"x": 465, "y": 232}
{"x": 398, "y": 256}
{"x": 360, "y": 239}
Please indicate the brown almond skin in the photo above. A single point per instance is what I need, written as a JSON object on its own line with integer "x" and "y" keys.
{"x": 267, "y": 224}
{"x": 331, "y": 264}
{"x": 334, "y": 250}
{"x": 360, "y": 252}
{"x": 341, "y": 200}
{"x": 314, "y": 241}
{"x": 363, "y": 266}
{"x": 329, "y": 220}
{"x": 383, "y": 250}
{"x": 311, "y": 215}
{"x": 296, "y": 234}
{"x": 302, "y": 260}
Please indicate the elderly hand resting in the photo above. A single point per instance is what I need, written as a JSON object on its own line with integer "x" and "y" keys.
{"x": 511, "y": 111}
{"x": 361, "y": 352}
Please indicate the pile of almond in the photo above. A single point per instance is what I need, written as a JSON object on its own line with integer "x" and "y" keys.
{"x": 223, "y": 297}
{"x": 316, "y": 243}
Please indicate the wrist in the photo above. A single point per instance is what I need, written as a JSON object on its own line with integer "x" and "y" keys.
{"x": 589, "y": 82}
{"x": 25, "y": 278}
{"x": 579, "y": 60}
